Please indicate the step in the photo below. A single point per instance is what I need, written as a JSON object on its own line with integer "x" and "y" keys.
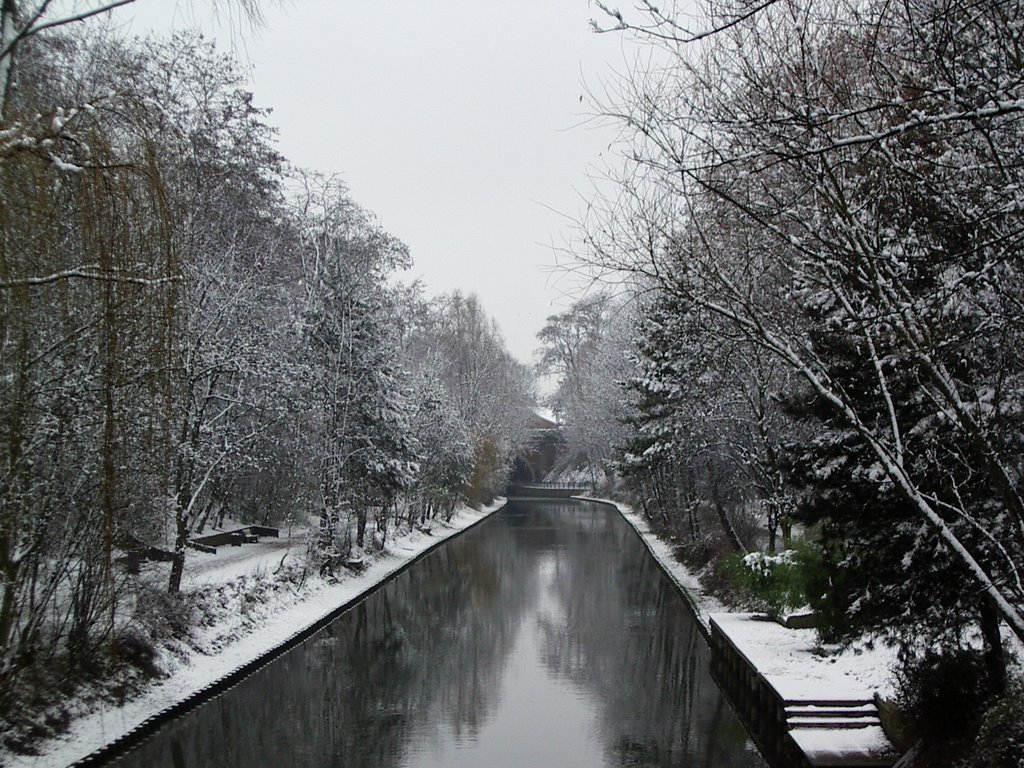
{"x": 831, "y": 723}
{"x": 834, "y": 703}
{"x": 854, "y": 710}
{"x": 844, "y": 747}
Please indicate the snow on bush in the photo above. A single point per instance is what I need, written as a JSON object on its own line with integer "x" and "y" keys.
{"x": 761, "y": 564}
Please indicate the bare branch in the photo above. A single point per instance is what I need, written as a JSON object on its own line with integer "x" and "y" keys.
{"x": 89, "y": 272}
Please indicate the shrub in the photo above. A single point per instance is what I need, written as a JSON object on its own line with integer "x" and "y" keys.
{"x": 828, "y": 593}
{"x": 778, "y": 582}
{"x": 1000, "y": 741}
{"x": 136, "y": 650}
{"x": 943, "y": 696}
{"x": 486, "y": 476}
{"x": 160, "y": 614}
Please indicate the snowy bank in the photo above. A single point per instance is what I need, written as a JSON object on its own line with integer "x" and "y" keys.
{"x": 284, "y": 617}
{"x": 701, "y": 602}
{"x": 784, "y": 651}
{"x": 801, "y": 674}
{"x": 813, "y": 709}
{"x": 795, "y": 665}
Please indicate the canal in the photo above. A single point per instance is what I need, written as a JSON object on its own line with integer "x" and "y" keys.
{"x": 546, "y": 636}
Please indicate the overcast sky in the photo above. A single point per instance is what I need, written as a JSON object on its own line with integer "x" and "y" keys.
{"x": 458, "y": 122}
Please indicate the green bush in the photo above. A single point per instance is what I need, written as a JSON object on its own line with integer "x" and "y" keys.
{"x": 777, "y": 583}
{"x": 828, "y": 594}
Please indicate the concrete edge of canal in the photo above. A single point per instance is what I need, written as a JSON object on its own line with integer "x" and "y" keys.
{"x": 666, "y": 568}
{"x": 138, "y": 734}
{"x": 798, "y": 728}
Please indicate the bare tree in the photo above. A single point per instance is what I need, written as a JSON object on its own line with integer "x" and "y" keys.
{"x": 21, "y": 20}
{"x": 847, "y": 164}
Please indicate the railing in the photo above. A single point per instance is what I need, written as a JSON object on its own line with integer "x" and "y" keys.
{"x": 563, "y": 485}
{"x": 562, "y": 490}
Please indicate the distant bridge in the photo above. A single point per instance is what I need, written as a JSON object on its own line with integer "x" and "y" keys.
{"x": 545, "y": 490}
{"x": 545, "y": 447}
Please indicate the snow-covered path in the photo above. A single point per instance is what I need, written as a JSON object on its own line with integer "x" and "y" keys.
{"x": 247, "y": 560}
{"x": 869, "y": 665}
{"x": 289, "y": 616}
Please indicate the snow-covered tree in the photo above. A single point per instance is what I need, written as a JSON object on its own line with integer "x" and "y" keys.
{"x": 444, "y": 444}
{"x": 367, "y": 450}
{"x": 23, "y": 20}
{"x": 856, "y": 167}
{"x": 489, "y": 388}
{"x": 86, "y": 272}
{"x": 587, "y": 348}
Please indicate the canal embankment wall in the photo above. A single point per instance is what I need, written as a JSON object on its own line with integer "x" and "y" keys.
{"x": 100, "y": 734}
{"x": 801, "y": 712}
{"x": 803, "y": 706}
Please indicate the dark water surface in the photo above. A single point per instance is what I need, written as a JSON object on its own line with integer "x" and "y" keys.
{"x": 546, "y": 636}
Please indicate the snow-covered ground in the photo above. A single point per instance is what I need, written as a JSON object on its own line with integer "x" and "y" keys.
{"x": 789, "y": 653}
{"x": 245, "y": 630}
{"x": 703, "y": 604}
{"x": 246, "y": 560}
{"x": 798, "y": 668}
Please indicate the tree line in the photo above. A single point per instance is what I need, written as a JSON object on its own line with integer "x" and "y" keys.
{"x": 191, "y": 328}
{"x": 816, "y": 227}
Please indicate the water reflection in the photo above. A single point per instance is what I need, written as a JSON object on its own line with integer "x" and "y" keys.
{"x": 547, "y": 636}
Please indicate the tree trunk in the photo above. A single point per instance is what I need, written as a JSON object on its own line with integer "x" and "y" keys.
{"x": 8, "y": 31}
{"x": 786, "y": 524}
{"x": 723, "y": 517}
{"x": 995, "y": 658}
{"x": 360, "y": 526}
{"x": 178, "y": 563}
{"x": 10, "y": 576}
{"x": 730, "y": 532}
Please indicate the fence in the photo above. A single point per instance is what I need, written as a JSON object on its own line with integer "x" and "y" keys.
{"x": 562, "y": 490}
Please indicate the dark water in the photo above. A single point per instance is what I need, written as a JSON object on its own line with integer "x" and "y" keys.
{"x": 546, "y": 636}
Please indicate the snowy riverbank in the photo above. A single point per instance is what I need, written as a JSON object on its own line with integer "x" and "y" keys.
{"x": 795, "y": 665}
{"x": 801, "y": 657}
{"x": 252, "y": 631}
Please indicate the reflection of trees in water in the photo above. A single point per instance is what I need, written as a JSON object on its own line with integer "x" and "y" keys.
{"x": 475, "y": 638}
{"x": 435, "y": 638}
{"x": 432, "y": 646}
{"x": 616, "y": 627}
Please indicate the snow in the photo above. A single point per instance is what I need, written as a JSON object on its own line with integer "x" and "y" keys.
{"x": 63, "y": 165}
{"x": 284, "y": 614}
{"x": 822, "y": 745}
{"x": 798, "y": 668}
{"x": 703, "y": 603}
{"x": 247, "y": 560}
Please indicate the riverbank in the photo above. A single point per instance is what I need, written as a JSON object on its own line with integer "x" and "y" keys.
{"x": 793, "y": 661}
{"x": 869, "y": 666}
{"x": 257, "y": 614}
{"x": 795, "y": 665}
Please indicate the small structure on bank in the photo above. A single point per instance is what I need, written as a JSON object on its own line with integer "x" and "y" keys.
{"x": 248, "y": 535}
{"x": 543, "y": 453}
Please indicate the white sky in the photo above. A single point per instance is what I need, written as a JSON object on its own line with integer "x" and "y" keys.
{"x": 458, "y": 122}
